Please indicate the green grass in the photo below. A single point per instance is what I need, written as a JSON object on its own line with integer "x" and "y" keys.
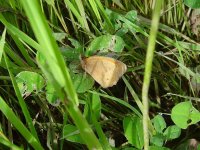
{"x": 63, "y": 107}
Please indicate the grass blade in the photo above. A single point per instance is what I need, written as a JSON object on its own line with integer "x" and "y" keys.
{"x": 21, "y": 100}
{"x": 2, "y": 43}
{"x": 7, "y": 111}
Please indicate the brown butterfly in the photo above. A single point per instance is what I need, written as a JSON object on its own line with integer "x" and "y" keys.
{"x": 105, "y": 70}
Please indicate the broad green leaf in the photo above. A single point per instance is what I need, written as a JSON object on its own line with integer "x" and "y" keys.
{"x": 118, "y": 25}
{"x": 192, "y": 3}
{"x": 29, "y": 81}
{"x": 82, "y": 82}
{"x": 71, "y": 133}
{"x": 69, "y": 53}
{"x": 122, "y": 31}
{"x": 131, "y": 15}
{"x": 60, "y": 36}
{"x": 105, "y": 43}
{"x": 184, "y": 114}
{"x": 159, "y": 123}
{"x": 133, "y": 131}
{"x": 123, "y": 23}
{"x": 75, "y": 67}
{"x": 72, "y": 53}
{"x": 51, "y": 95}
{"x": 157, "y": 139}
{"x": 172, "y": 132}
{"x": 76, "y": 44}
{"x": 96, "y": 105}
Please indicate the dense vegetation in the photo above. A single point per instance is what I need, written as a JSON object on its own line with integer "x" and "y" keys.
{"x": 48, "y": 100}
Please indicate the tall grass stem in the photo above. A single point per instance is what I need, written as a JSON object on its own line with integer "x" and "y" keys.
{"x": 148, "y": 69}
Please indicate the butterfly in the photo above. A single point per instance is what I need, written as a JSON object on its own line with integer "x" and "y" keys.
{"x": 105, "y": 70}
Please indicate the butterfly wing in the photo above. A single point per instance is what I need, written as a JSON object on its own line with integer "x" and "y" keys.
{"x": 119, "y": 69}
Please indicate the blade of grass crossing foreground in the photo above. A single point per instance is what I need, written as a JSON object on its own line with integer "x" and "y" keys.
{"x": 2, "y": 43}
{"x": 14, "y": 56}
{"x": 9, "y": 144}
{"x": 21, "y": 100}
{"x": 58, "y": 70}
{"x": 21, "y": 35}
{"x": 7, "y": 111}
{"x": 23, "y": 51}
{"x": 148, "y": 68}
{"x": 49, "y": 49}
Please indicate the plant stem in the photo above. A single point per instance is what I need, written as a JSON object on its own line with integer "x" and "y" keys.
{"x": 148, "y": 68}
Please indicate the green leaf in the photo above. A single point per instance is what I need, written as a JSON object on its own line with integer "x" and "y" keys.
{"x": 157, "y": 139}
{"x": 71, "y": 133}
{"x": 159, "y": 123}
{"x": 69, "y": 53}
{"x": 75, "y": 66}
{"x": 123, "y": 23}
{"x": 131, "y": 15}
{"x": 184, "y": 114}
{"x": 133, "y": 131}
{"x": 76, "y": 44}
{"x": 60, "y": 36}
{"x": 192, "y": 3}
{"x": 82, "y": 82}
{"x": 51, "y": 95}
{"x": 172, "y": 132}
{"x": 72, "y": 53}
{"x": 29, "y": 81}
{"x": 105, "y": 43}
